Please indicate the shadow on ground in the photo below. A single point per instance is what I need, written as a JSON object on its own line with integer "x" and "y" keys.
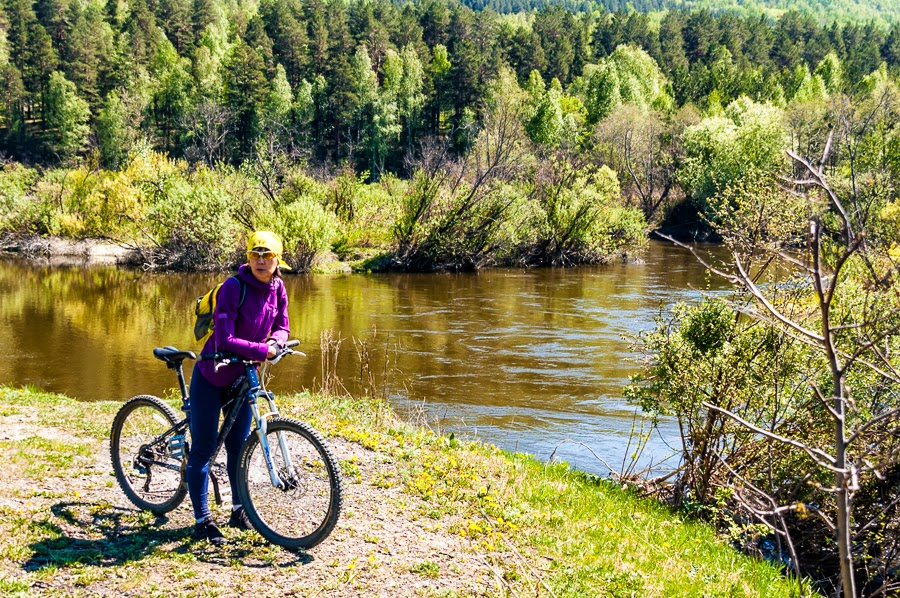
{"x": 100, "y": 534}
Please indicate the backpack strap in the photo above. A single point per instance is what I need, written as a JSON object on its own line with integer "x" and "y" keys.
{"x": 243, "y": 290}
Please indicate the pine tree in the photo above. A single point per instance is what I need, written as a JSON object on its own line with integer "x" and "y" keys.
{"x": 203, "y": 14}
{"x": 246, "y": 90}
{"x": 257, "y": 38}
{"x": 12, "y": 95}
{"x": 287, "y": 30}
{"x": 90, "y": 49}
{"x": 54, "y": 16}
{"x": 41, "y": 61}
{"x": 178, "y": 23}
{"x": 435, "y": 19}
{"x": 557, "y": 29}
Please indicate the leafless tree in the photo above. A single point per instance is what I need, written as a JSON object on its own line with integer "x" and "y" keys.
{"x": 851, "y": 325}
{"x": 445, "y": 217}
{"x": 643, "y": 152}
{"x": 210, "y": 124}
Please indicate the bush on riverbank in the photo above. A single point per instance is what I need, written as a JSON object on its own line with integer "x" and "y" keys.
{"x": 434, "y": 514}
{"x": 450, "y": 216}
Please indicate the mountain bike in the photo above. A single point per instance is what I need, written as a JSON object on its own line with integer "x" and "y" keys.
{"x": 288, "y": 479}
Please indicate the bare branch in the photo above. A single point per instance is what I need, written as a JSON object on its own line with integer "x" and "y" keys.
{"x": 861, "y": 430}
{"x": 819, "y": 181}
{"x": 775, "y": 510}
{"x": 827, "y": 149}
{"x": 754, "y": 290}
{"x": 818, "y": 394}
{"x": 815, "y": 454}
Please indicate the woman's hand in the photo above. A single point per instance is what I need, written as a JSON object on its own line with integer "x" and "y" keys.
{"x": 273, "y": 350}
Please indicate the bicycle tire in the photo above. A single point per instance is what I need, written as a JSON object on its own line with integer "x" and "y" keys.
{"x": 151, "y": 487}
{"x": 304, "y": 513}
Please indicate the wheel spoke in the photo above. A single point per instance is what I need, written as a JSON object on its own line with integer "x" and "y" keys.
{"x": 303, "y": 510}
{"x": 150, "y": 476}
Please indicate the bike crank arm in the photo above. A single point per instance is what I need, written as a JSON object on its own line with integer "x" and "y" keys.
{"x": 161, "y": 464}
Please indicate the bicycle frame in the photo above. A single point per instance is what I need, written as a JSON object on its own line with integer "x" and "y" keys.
{"x": 255, "y": 389}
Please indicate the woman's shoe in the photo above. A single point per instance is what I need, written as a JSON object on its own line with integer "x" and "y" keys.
{"x": 207, "y": 530}
{"x": 239, "y": 519}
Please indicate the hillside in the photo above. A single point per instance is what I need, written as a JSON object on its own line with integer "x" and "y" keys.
{"x": 825, "y": 11}
{"x": 368, "y": 85}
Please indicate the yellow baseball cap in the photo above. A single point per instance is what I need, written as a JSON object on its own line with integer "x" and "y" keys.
{"x": 264, "y": 239}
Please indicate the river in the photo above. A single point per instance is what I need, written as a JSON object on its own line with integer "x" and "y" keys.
{"x": 530, "y": 360}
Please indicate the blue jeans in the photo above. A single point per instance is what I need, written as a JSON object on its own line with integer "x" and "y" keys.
{"x": 206, "y": 407}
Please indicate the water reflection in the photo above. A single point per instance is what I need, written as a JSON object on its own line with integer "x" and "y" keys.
{"x": 527, "y": 359}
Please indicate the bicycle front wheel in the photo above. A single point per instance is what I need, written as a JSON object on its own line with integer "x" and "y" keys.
{"x": 303, "y": 509}
{"x": 148, "y": 470}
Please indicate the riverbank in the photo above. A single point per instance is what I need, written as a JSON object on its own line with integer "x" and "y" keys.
{"x": 426, "y": 515}
{"x": 177, "y": 216}
{"x": 60, "y": 251}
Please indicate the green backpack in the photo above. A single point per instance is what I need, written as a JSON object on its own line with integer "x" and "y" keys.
{"x": 206, "y": 306}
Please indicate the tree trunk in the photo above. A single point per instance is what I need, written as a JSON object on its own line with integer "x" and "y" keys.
{"x": 842, "y": 496}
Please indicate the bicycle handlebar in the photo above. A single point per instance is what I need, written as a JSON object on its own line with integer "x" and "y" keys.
{"x": 226, "y": 357}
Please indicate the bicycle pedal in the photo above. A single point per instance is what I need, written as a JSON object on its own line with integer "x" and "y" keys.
{"x": 176, "y": 446}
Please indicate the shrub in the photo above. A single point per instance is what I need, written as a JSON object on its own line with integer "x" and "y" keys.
{"x": 375, "y": 208}
{"x": 577, "y": 215}
{"x": 17, "y": 205}
{"x": 721, "y": 149}
{"x": 192, "y": 223}
{"x": 305, "y": 226}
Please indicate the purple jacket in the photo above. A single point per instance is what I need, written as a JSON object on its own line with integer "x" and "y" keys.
{"x": 244, "y": 331}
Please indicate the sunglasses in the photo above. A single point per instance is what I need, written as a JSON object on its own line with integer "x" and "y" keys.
{"x": 260, "y": 255}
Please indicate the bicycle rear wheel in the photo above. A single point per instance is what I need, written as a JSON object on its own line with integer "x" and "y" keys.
{"x": 151, "y": 476}
{"x": 303, "y": 511}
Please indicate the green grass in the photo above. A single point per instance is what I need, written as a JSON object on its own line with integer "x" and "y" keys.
{"x": 537, "y": 527}
{"x": 597, "y": 538}
{"x": 427, "y": 569}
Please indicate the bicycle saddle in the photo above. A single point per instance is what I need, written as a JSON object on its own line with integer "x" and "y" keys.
{"x": 172, "y": 355}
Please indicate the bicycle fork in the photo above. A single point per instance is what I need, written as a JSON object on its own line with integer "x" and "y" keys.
{"x": 261, "y": 428}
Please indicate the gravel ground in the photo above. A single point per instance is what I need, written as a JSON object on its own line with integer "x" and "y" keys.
{"x": 75, "y": 533}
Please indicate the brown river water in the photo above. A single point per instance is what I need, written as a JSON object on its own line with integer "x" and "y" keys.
{"x": 530, "y": 360}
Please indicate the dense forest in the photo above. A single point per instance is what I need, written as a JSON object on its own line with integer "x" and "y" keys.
{"x": 439, "y": 136}
{"x": 363, "y": 82}
{"x": 883, "y": 13}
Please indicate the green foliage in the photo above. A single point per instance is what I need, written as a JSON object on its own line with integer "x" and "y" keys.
{"x": 628, "y": 76}
{"x": 17, "y": 206}
{"x": 375, "y": 206}
{"x": 116, "y": 131}
{"x": 191, "y": 219}
{"x": 722, "y": 149}
{"x": 809, "y": 87}
{"x": 173, "y": 92}
{"x": 304, "y": 225}
{"x": 433, "y": 69}
{"x": 245, "y": 92}
{"x": 790, "y": 382}
{"x": 66, "y": 116}
{"x": 576, "y": 217}
{"x": 556, "y": 119}
{"x": 754, "y": 212}
{"x": 707, "y": 353}
{"x": 280, "y": 101}
{"x": 832, "y": 73}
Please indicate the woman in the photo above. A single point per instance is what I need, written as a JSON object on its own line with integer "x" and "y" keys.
{"x": 254, "y": 328}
